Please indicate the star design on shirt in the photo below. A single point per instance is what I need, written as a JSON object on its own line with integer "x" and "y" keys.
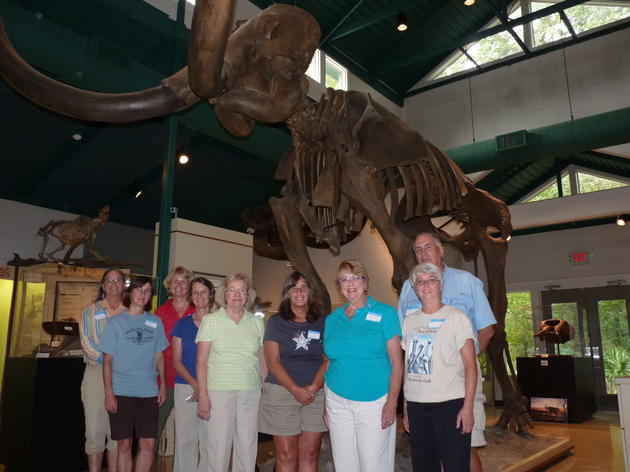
{"x": 301, "y": 341}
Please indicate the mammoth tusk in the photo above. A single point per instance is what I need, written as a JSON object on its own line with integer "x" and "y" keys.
{"x": 171, "y": 96}
{"x": 208, "y": 41}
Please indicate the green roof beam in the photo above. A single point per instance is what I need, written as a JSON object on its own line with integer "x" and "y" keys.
{"x": 376, "y": 17}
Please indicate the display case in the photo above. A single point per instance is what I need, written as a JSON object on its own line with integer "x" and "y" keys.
{"x": 42, "y": 424}
{"x": 623, "y": 397}
{"x": 560, "y": 377}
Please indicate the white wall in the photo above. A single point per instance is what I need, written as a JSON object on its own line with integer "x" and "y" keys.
{"x": 528, "y": 94}
{"x": 118, "y": 242}
{"x": 203, "y": 248}
{"x": 19, "y": 229}
{"x": 369, "y": 248}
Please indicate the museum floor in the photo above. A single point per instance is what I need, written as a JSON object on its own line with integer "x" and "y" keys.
{"x": 597, "y": 445}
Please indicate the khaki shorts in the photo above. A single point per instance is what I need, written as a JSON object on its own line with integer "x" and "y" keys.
{"x": 477, "y": 438}
{"x": 281, "y": 414}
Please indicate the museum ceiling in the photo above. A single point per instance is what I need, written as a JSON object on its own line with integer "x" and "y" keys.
{"x": 119, "y": 46}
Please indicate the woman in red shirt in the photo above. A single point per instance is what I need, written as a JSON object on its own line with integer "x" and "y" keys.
{"x": 177, "y": 284}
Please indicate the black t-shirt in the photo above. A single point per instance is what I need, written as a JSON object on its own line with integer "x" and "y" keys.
{"x": 301, "y": 347}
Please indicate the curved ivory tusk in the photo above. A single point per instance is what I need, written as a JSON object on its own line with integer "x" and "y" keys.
{"x": 171, "y": 96}
{"x": 208, "y": 40}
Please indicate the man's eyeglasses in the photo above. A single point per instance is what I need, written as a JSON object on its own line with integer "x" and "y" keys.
{"x": 425, "y": 248}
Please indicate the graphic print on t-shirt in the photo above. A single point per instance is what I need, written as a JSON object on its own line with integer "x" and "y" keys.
{"x": 301, "y": 340}
{"x": 420, "y": 354}
{"x": 140, "y": 335}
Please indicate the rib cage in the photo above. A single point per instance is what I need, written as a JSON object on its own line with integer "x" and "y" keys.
{"x": 326, "y": 132}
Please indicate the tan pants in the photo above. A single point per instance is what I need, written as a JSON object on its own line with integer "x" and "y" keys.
{"x": 96, "y": 418}
{"x": 233, "y": 426}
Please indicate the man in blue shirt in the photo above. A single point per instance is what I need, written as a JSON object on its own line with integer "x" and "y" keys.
{"x": 464, "y": 291}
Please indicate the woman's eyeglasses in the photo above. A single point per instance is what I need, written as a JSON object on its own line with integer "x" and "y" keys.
{"x": 350, "y": 278}
{"x": 420, "y": 282}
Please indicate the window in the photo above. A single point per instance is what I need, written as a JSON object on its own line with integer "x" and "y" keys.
{"x": 585, "y": 182}
{"x": 591, "y": 183}
{"x": 545, "y": 31}
{"x": 551, "y": 190}
{"x": 548, "y": 29}
{"x": 314, "y": 68}
{"x": 586, "y": 17}
{"x": 336, "y": 75}
{"x": 519, "y": 326}
{"x": 492, "y": 48}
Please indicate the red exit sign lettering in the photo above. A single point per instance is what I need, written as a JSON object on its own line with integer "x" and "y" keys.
{"x": 579, "y": 258}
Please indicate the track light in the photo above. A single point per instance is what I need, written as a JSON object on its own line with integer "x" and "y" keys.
{"x": 469, "y": 3}
{"x": 401, "y": 22}
{"x": 622, "y": 220}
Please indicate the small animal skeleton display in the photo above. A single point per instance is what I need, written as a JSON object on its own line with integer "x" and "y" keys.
{"x": 72, "y": 233}
{"x": 349, "y": 154}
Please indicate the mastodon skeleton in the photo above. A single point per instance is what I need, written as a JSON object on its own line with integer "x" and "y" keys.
{"x": 349, "y": 158}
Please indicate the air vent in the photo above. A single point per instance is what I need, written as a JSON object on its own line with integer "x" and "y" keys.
{"x": 111, "y": 55}
{"x": 515, "y": 140}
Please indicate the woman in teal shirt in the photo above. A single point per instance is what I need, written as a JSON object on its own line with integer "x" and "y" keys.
{"x": 362, "y": 344}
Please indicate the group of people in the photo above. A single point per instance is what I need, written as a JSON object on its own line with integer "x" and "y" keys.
{"x": 305, "y": 372}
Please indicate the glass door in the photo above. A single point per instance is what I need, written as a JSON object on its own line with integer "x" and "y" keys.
{"x": 601, "y": 319}
{"x": 608, "y": 310}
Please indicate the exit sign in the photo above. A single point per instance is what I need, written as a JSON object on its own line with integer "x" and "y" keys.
{"x": 579, "y": 258}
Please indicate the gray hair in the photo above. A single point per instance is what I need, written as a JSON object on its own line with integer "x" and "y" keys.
{"x": 438, "y": 241}
{"x": 428, "y": 269}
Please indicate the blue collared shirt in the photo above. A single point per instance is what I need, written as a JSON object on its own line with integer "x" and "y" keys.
{"x": 359, "y": 367}
{"x": 461, "y": 290}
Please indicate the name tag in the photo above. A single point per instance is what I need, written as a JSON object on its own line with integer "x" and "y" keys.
{"x": 150, "y": 324}
{"x": 100, "y": 316}
{"x": 373, "y": 317}
{"x": 436, "y": 323}
{"x": 313, "y": 334}
{"x": 412, "y": 310}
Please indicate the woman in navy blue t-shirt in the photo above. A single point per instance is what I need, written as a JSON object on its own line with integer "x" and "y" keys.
{"x": 292, "y": 404}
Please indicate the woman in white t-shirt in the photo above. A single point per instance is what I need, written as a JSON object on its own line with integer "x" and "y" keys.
{"x": 440, "y": 378}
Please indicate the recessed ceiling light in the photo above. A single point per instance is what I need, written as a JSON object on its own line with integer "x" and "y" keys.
{"x": 469, "y": 3}
{"x": 183, "y": 159}
{"x": 77, "y": 136}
